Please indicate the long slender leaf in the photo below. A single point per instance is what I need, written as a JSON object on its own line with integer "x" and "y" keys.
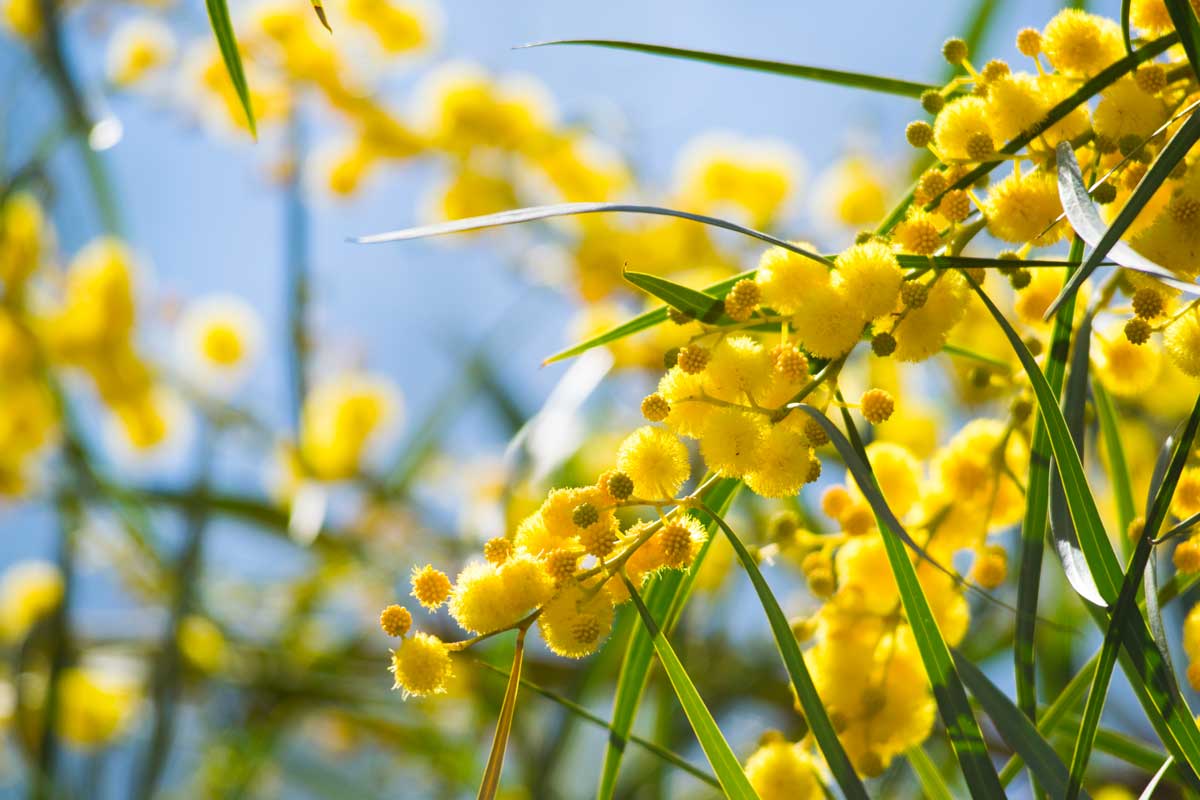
{"x": 1100, "y": 560}
{"x": 724, "y": 763}
{"x": 1118, "y": 466}
{"x": 1033, "y": 525}
{"x": 1125, "y": 8}
{"x": 1084, "y": 217}
{"x": 665, "y": 597}
{"x": 1064, "y": 701}
{"x": 1014, "y": 727}
{"x": 1066, "y": 539}
{"x": 1155, "y": 689}
{"x": 928, "y": 775}
{"x": 218, "y": 16}
{"x": 1184, "y": 20}
{"x": 566, "y": 210}
{"x": 785, "y": 641}
{"x": 582, "y": 713}
{"x": 854, "y": 80}
{"x": 491, "y": 774}
{"x": 965, "y": 735}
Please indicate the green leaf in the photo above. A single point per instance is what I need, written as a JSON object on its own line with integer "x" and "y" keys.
{"x": 1064, "y": 701}
{"x": 491, "y": 774}
{"x": 1015, "y": 728}
{"x": 806, "y": 691}
{"x": 1086, "y": 91}
{"x": 854, "y": 80}
{"x": 665, "y": 597}
{"x": 1086, "y": 220}
{"x": 1066, "y": 538}
{"x": 582, "y": 713}
{"x": 1125, "y": 4}
{"x": 725, "y": 765}
{"x": 1184, "y": 20}
{"x": 965, "y": 736}
{"x": 1161, "y": 700}
{"x": 704, "y": 307}
{"x": 928, "y": 775}
{"x": 533, "y": 213}
{"x": 1101, "y": 563}
{"x": 218, "y": 15}
{"x": 1033, "y": 525}
{"x": 1118, "y": 466}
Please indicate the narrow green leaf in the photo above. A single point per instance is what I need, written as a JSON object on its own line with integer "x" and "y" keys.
{"x": 1086, "y": 91}
{"x": 854, "y": 80}
{"x": 566, "y": 210}
{"x": 699, "y": 305}
{"x": 806, "y": 691}
{"x": 1125, "y": 4}
{"x": 1054, "y": 713}
{"x": 1033, "y": 525}
{"x": 218, "y": 15}
{"x": 665, "y": 597}
{"x": 965, "y": 736}
{"x": 1103, "y": 571}
{"x": 582, "y": 713}
{"x": 1014, "y": 727}
{"x": 928, "y": 775}
{"x": 1184, "y": 20}
{"x": 1074, "y": 401}
{"x": 1084, "y": 217}
{"x": 1118, "y": 466}
{"x": 491, "y": 774}
{"x": 726, "y": 767}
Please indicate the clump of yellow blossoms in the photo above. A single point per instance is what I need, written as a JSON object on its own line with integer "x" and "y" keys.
{"x": 789, "y": 334}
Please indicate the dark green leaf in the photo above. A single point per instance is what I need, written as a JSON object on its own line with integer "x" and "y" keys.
{"x": 855, "y": 80}
{"x": 699, "y": 305}
{"x": 1184, "y": 20}
{"x": 1015, "y": 728}
{"x": 789, "y": 650}
{"x": 1125, "y": 4}
{"x": 965, "y": 736}
{"x": 1118, "y": 467}
{"x": 666, "y": 594}
{"x": 724, "y": 763}
{"x": 218, "y": 15}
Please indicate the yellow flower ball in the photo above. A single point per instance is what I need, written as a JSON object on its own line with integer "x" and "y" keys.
{"x": 1080, "y": 44}
{"x": 961, "y": 119}
{"x": 783, "y": 464}
{"x": 656, "y": 461}
{"x": 421, "y": 665}
{"x": 924, "y": 330}
{"x": 738, "y": 368}
{"x": 783, "y": 771}
{"x": 95, "y": 706}
{"x": 577, "y": 621}
{"x": 783, "y": 277}
{"x": 731, "y": 441}
{"x": 29, "y": 591}
{"x": 688, "y": 415}
{"x": 1020, "y": 207}
{"x": 870, "y": 274}
{"x": 1182, "y": 340}
{"x": 1125, "y": 110}
{"x": 1124, "y": 368}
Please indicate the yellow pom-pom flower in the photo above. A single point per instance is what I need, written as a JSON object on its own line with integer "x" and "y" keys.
{"x": 1080, "y": 44}
{"x": 1182, "y": 340}
{"x": 963, "y": 120}
{"x": 431, "y": 587}
{"x": 782, "y": 465}
{"x": 577, "y": 621}
{"x": 421, "y": 665}
{"x": 29, "y": 591}
{"x": 784, "y": 276}
{"x": 783, "y": 771}
{"x": 731, "y": 441}
{"x": 1020, "y": 207}
{"x": 656, "y": 461}
{"x": 870, "y": 274}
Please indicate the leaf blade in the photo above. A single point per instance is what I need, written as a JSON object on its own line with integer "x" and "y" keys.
{"x": 855, "y": 80}
{"x": 218, "y": 17}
